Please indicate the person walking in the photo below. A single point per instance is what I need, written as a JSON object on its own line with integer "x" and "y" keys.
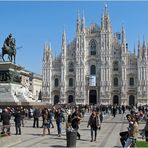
{"x": 59, "y": 117}
{"x": 94, "y": 123}
{"x": 42, "y": 115}
{"x": 68, "y": 123}
{"x": 101, "y": 116}
{"x": 5, "y": 118}
{"x": 17, "y": 120}
{"x": 36, "y": 115}
{"x": 75, "y": 121}
{"x": 22, "y": 110}
{"x": 114, "y": 111}
{"x": 51, "y": 118}
{"x": 46, "y": 123}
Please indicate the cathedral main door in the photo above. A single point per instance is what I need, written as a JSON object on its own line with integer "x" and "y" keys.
{"x": 131, "y": 100}
{"x": 56, "y": 99}
{"x": 70, "y": 99}
{"x": 115, "y": 100}
{"x": 92, "y": 97}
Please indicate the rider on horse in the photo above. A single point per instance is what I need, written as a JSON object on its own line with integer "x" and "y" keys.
{"x": 9, "y": 47}
{"x": 9, "y": 42}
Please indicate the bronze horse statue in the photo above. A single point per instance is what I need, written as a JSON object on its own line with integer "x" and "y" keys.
{"x": 9, "y": 48}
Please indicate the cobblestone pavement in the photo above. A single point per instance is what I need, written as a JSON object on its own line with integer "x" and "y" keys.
{"x": 108, "y": 136}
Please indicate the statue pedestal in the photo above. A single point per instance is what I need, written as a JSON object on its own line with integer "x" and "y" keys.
{"x": 11, "y": 89}
{"x": 10, "y": 73}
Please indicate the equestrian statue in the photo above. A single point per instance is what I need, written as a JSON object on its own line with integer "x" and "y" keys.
{"x": 9, "y": 48}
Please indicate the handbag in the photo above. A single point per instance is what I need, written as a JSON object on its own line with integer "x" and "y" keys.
{"x": 99, "y": 127}
{"x": 46, "y": 121}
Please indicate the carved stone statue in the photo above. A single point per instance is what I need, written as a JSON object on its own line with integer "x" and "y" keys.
{"x": 9, "y": 48}
{"x": 17, "y": 78}
{"x": 10, "y": 77}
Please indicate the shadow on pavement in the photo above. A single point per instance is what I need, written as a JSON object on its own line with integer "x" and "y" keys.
{"x": 57, "y": 146}
{"x": 85, "y": 129}
{"x": 83, "y": 140}
{"x": 59, "y": 138}
{"x": 36, "y": 134}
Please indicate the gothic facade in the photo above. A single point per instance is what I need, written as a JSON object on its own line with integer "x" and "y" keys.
{"x": 96, "y": 67}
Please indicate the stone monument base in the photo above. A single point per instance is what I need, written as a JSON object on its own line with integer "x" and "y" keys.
{"x": 10, "y": 92}
{"x": 11, "y": 89}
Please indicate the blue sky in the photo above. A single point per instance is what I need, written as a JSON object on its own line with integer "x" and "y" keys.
{"x": 34, "y": 23}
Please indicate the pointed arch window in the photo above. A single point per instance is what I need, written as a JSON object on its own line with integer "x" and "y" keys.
{"x": 71, "y": 67}
{"x": 131, "y": 81}
{"x": 92, "y": 47}
{"x": 70, "y": 82}
{"x": 115, "y": 66}
{"x": 56, "y": 82}
{"x": 115, "y": 81}
{"x": 93, "y": 70}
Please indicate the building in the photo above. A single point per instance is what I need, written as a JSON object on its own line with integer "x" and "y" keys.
{"x": 96, "y": 67}
{"x": 35, "y": 85}
{"x": 32, "y": 82}
{"x": 25, "y": 75}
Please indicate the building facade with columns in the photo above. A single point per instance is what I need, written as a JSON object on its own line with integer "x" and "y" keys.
{"x": 96, "y": 67}
{"x": 33, "y": 83}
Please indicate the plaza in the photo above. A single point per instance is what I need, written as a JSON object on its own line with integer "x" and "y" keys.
{"x": 95, "y": 67}
{"x": 108, "y": 136}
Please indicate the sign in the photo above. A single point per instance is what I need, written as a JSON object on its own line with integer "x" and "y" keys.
{"x": 92, "y": 80}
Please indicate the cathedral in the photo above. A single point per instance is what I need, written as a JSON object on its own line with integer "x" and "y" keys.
{"x": 96, "y": 68}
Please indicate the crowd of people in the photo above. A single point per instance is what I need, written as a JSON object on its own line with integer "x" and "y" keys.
{"x": 72, "y": 116}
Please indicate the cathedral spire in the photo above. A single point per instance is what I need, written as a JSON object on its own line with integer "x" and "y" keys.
{"x": 139, "y": 46}
{"x": 144, "y": 42}
{"x": 134, "y": 49}
{"x": 105, "y": 20}
{"x": 64, "y": 39}
{"x": 106, "y": 11}
{"x": 83, "y": 24}
{"x": 147, "y": 49}
{"x": 123, "y": 35}
{"x": 78, "y": 23}
{"x": 64, "y": 43}
{"x": 102, "y": 22}
{"x": 45, "y": 53}
{"x": 144, "y": 47}
{"x": 138, "y": 41}
{"x": 50, "y": 49}
{"x": 123, "y": 41}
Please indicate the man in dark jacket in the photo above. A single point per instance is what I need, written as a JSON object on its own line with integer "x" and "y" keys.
{"x": 94, "y": 123}
{"x": 114, "y": 110}
{"x": 17, "y": 120}
{"x": 75, "y": 121}
{"x": 5, "y": 118}
{"x": 22, "y": 111}
{"x": 59, "y": 117}
{"x": 36, "y": 115}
